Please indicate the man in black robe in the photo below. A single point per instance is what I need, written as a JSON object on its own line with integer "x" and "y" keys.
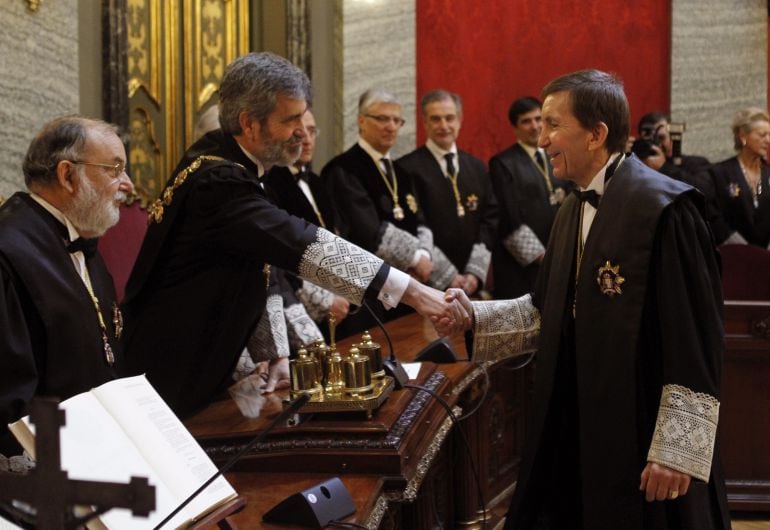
{"x": 299, "y": 191}
{"x": 58, "y": 314}
{"x": 198, "y": 285}
{"x": 455, "y": 194}
{"x": 627, "y": 313}
{"x": 528, "y": 196}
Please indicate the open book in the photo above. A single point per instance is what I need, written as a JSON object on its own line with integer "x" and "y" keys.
{"x": 122, "y": 429}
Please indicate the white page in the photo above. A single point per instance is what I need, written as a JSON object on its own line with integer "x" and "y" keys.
{"x": 94, "y": 447}
{"x": 163, "y": 441}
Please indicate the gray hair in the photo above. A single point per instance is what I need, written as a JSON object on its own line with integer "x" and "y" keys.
{"x": 743, "y": 121}
{"x": 374, "y": 96}
{"x": 63, "y": 138}
{"x": 252, "y": 84}
{"x": 440, "y": 94}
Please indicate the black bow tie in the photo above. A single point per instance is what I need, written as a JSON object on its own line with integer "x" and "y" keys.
{"x": 86, "y": 246}
{"x": 590, "y": 196}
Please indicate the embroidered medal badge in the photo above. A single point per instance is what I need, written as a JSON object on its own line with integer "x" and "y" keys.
{"x": 734, "y": 189}
{"x": 411, "y": 202}
{"x": 472, "y": 202}
{"x": 609, "y": 279}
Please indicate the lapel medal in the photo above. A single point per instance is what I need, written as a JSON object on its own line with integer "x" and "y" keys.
{"x": 472, "y": 202}
{"x": 609, "y": 279}
{"x": 734, "y": 190}
{"x": 411, "y": 202}
{"x": 117, "y": 320}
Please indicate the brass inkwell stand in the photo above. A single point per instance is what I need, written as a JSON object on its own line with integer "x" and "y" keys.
{"x": 340, "y": 383}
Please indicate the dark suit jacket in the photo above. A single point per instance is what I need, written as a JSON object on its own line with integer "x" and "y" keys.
{"x": 452, "y": 234}
{"x": 523, "y": 199}
{"x": 289, "y": 196}
{"x": 736, "y": 204}
{"x": 362, "y": 202}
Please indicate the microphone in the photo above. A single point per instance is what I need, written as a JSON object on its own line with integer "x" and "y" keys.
{"x": 293, "y": 407}
{"x": 391, "y": 365}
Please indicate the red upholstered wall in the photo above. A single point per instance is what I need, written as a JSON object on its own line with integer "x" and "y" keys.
{"x": 493, "y": 51}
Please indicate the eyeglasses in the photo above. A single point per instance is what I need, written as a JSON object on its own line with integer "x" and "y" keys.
{"x": 118, "y": 169}
{"x": 384, "y": 120}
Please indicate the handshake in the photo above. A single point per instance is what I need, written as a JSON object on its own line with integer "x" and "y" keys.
{"x": 450, "y": 312}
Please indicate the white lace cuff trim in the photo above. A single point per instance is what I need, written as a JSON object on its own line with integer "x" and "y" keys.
{"x": 425, "y": 236}
{"x": 339, "y": 266}
{"x": 505, "y": 328}
{"x": 301, "y": 328}
{"x": 21, "y": 464}
{"x": 478, "y": 262}
{"x": 523, "y": 245}
{"x": 685, "y": 431}
{"x": 270, "y": 340}
{"x": 397, "y": 247}
{"x": 317, "y": 300}
{"x": 443, "y": 270}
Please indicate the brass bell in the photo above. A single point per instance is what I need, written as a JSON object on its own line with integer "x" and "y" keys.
{"x": 335, "y": 382}
{"x": 373, "y": 352}
{"x": 304, "y": 375}
{"x": 358, "y": 377}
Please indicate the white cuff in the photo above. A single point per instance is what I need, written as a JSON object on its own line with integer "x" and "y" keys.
{"x": 523, "y": 245}
{"x": 394, "y": 288}
{"x": 418, "y": 254}
{"x": 505, "y": 328}
{"x": 685, "y": 431}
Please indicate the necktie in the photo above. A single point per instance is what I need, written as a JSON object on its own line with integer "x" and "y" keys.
{"x": 589, "y": 196}
{"x": 539, "y": 160}
{"x": 450, "y": 165}
{"x": 388, "y": 170}
{"x": 86, "y": 246}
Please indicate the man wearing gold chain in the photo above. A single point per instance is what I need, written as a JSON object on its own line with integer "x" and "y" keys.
{"x": 455, "y": 193}
{"x": 626, "y": 321}
{"x": 61, "y": 325}
{"x": 196, "y": 293}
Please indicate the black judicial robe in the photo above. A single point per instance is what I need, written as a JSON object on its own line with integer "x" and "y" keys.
{"x": 289, "y": 196}
{"x": 362, "y": 202}
{"x": 51, "y": 343}
{"x": 523, "y": 199}
{"x": 453, "y": 234}
{"x": 608, "y": 369}
{"x": 197, "y": 289}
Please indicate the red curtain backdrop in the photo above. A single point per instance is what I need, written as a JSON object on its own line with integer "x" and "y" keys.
{"x": 493, "y": 51}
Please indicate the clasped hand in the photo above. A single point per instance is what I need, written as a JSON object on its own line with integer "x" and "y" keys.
{"x": 445, "y": 326}
{"x": 432, "y": 303}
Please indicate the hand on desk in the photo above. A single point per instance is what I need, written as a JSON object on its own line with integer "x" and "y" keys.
{"x": 431, "y": 303}
{"x": 445, "y": 327}
{"x": 275, "y": 373}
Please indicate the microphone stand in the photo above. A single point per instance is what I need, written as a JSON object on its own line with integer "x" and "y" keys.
{"x": 293, "y": 407}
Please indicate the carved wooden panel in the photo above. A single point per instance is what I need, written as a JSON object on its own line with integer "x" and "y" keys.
{"x": 176, "y": 52}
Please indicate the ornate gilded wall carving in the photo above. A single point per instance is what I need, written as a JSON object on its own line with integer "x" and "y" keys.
{"x": 177, "y": 52}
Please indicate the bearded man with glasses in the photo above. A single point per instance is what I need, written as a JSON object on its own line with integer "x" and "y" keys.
{"x": 57, "y": 303}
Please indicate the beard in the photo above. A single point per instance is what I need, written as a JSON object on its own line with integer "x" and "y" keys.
{"x": 90, "y": 212}
{"x": 280, "y": 153}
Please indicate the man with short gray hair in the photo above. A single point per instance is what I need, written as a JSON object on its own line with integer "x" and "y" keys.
{"x": 61, "y": 325}
{"x": 456, "y": 196}
{"x": 195, "y": 294}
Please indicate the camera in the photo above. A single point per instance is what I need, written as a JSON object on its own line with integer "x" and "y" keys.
{"x": 650, "y": 136}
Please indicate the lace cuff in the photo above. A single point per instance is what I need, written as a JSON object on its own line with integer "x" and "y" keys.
{"x": 523, "y": 245}
{"x": 505, "y": 328}
{"x": 21, "y": 464}
{"x": 269, "y": 340}
{"x": 339, "y": 266}
{"x": 443, "y": 270}
{"x": 301, "y": 328}
{"x": 425, "y": 236}
{"x": 478, "y": 262}
{"x": 317, "y": 300}
{"x": 685, "y": 431}
{"x": 397, "y": 247}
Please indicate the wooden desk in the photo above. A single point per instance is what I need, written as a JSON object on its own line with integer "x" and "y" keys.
{"x": 744, "y": 425}
{"x": 404, "y": 467}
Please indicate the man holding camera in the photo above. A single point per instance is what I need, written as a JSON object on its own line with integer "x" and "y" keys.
{"x": 660, "y": 147}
